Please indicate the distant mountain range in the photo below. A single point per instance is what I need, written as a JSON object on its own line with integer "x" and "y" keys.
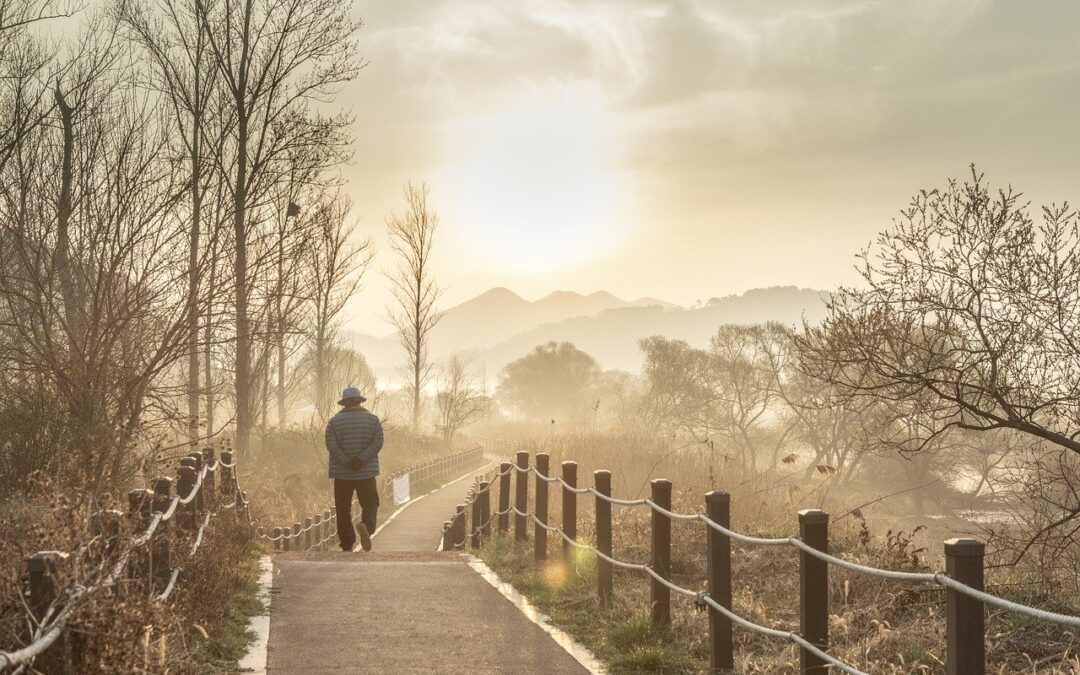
{"x": 499, "y": 326}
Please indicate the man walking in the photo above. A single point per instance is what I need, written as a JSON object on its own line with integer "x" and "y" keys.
{"x": 354, "y": 437}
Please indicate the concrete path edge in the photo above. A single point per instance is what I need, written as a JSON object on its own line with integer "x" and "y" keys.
{"x": 575, "y": 649}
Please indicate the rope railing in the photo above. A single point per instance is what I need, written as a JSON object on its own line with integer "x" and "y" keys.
{"x": 197, "y": 491}
{"x": 962, "y": 579}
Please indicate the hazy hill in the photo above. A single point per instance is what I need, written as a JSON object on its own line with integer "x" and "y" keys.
{"x": 612, "y": 336}
{"x": 501, "y": 326}
{"x": 491, "y": 318}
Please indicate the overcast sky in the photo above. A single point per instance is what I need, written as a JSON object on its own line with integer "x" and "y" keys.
{"x": 696, "y": 148}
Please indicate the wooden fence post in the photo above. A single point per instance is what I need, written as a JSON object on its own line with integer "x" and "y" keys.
{"x": 458, "y": 534}
{"x": 477, "y": 520}
{"x": 210, "y": 481}
{"x": 297, "y": 542}
{"x": 485, "y": 511}
{"x": 286, "y": 539}
{"x": 661, "y": 554}
{"x": 721, "y": 646}
{"x": 227, "y": 484}
{"x": 159, "y": 562}
{"x": 504, "y": 496}
{"x": 543, "y": 470}
{"x": 814, "y": 590}
{"x": 965, "y": 635}
{"x": 604, "y": 580}
{"x": 200, "y": 495}
{"x": 521, "y": 501}
{"x": 569, "y": 509}
{"x": 328, "y": 526}
{"x": 308, "y": 532}
{"x": 44, "y": 568}
{"x": 277, "y": 538}
{"x": 185, "y": 487}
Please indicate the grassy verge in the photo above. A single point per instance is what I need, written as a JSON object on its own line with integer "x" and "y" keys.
{"x": 621, "y": 635}
{"x": 218, "y": 598}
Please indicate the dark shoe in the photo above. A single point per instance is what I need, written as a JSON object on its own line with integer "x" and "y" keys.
{"x": 365, "y": 537}
{"x": 347, "y": 547}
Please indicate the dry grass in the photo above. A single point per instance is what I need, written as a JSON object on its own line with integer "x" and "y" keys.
{"x": 879, "y": 626}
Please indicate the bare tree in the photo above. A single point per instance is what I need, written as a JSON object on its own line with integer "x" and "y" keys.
{"x": 414, "y": 312}
{"x": 334, "y": 266}
{"x": 274, "y": 58}
{"x": 460, "y": 399}
{"x": 176, "y": 42}
{"x": 971, "y": 309}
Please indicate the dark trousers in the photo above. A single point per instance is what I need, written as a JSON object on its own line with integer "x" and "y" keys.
{"x": 367, "y": 491}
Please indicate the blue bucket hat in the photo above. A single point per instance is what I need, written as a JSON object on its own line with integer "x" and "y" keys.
{"x": 351, "y": 395}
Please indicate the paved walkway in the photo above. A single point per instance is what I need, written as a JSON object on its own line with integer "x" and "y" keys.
{"x": 403, "y": 608}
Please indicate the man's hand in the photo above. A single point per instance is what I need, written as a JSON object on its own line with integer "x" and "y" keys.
{"x": 354, "y": 463}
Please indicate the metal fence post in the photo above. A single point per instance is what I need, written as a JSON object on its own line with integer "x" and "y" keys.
{"x": 661, "y": 554}
{"x": 543, "y": 469}
{"x": 604, "y": 580}
{"x": 814, "y": 590}
{"x": 521, "y": 501}
{"x": 504, "y": 496}
{"x": 569, "y": 509}
{"x": 965, "y": 635}
{"x": 718, "y": 546}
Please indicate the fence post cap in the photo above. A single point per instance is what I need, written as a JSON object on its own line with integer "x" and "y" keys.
{"x": 188, "y": 461}
{"x": 208, "y": 453}
{"x": 963, "y": 547}
{"x": 661, "y": 484}
{"x": 40, "y": 560}
{"x": 227, "y": 456}
{"x": 161, "y": 485}
{"x": 717, "y": 496}
{"x": 813, "y": 517}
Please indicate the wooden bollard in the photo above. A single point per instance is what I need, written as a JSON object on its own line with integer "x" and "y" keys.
{"x": 504, "y": 496}
{"x": 276, "y": 532}
{"x": 334, "y": 520}
{"x": 328, "y": 522}
{"x": 521, "y": 497}
{"x": 604, "y": 578}
{"x": 569, "y": 509}
{"x": 447, "y": 536}
{"x": 44, "y": 571}
{"x": 286, "y": 539}
{"x": 661, "y": 554}
{"x": 458, "y": 534}
{"x": 485, "y": 511}
{"x": 814, "y": 590}
{"x": 307, "y": 534}
{"x": 718, "y": 549}
{"x": 965, "y": 637}
{"x": 543, "y": 469}
{"x": 297, "y": 537}
{"x": 185, "y": 483}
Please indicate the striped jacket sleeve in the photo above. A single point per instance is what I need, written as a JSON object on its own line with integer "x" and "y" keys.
{"x": 372, "y": 450}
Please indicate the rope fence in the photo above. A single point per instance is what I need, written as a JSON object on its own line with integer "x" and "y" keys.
{"x": 962, "y": 579}
{"x": 147, "y": 560}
